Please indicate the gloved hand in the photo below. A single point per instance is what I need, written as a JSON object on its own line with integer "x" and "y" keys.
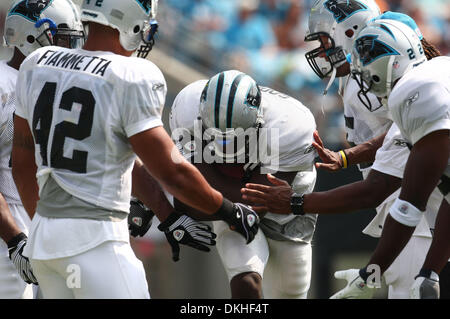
{"x": 356, "y": 288}
{"x": 181, "y": 229}
{"x": 425, "y": 286}
{"x": 140, "y": 218}
{"x": 22, "y": 264}
{"x": 241, "y": 218}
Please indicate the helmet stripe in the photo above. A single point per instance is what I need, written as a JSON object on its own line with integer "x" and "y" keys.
{"x": 218, "y": 98}
{"x": 234, "y": 87}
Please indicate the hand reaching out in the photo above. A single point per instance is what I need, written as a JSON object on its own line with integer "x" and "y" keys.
{"x": 275, "y": 199}
{"x": 331, "y": 161}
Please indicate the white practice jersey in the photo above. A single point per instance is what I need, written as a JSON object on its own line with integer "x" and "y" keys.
{"x": 8, "y": 100}
{"x": 420, "y": 101}
{"x": 362, "y": 125}
{"x": 82, "y": 106}
{"x": 293, "y": 121}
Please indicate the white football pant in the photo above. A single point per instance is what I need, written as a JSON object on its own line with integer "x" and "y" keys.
{"x": 399, "y": 277}
{"x": 284, "y": 266}
{"x": 109, "y": 271}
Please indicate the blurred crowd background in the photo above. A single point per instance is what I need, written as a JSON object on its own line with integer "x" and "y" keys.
{"x": 264, "y": 38}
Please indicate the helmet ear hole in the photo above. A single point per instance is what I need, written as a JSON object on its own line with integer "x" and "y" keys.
{"x": 30, "y": 39}
{"x": 136, "y": 29}
{"x": 349, "y": 33}
{"x": 376, "y": 78}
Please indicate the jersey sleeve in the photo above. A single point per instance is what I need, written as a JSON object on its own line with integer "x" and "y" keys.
{"x": 143, "y": 102}
{"x": 294, "y": 150}
{"x": 22, "y": 87}
{"x": 422, "y": 110}
{"x": 392, "y": 156}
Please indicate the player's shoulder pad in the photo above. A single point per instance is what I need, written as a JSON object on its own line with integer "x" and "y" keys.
{"x": 186, "y": 105}
{"x": 138, "y": 71}
{"x": 412, "y": 88}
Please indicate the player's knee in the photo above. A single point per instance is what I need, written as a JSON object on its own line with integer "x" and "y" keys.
{"x": 246, "y": 285}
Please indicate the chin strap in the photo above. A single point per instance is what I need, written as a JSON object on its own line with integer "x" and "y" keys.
{"x": 389, "y": 75}
{"x": 325, "y": 92}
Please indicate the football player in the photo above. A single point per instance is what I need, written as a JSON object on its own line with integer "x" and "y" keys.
{"x": 335, "y": 33}
{"x": 29, "y": 25}
{"x": 81, "y": 116}
{"x": 208, "y": 121}
{"x": 389, "y": 61}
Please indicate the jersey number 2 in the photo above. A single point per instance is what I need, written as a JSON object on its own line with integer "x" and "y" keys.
{"x": 42, "y": 120}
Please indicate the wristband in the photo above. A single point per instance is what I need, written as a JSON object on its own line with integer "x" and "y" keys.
{"x": 16, "y": 239}
{"x": 344, "y": 159}
{"x": 405, "y": 213}
{"x": 225, "y": 210}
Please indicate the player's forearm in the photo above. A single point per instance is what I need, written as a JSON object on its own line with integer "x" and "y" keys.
{"x": 23, "y": 165}
{"x": 148, "y": 190}
{"x": 365, "y": 152}
{"x": 26, "y": 183}
{"x": 173, "y": 172}
{"x": 8, "y": 227}
{"x": 190, "y": 187}
{"x": 368, "y": 193}
{"x": 426, "y": 164}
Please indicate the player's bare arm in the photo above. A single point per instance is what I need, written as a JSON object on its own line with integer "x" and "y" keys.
{"x": 147, "y": 189}
{"x": 173, "y": 172}
{"x": 367, "y": 193}
{"x": 230, "y": 187}
{"x": 23, "y": 165}
{"x": 184, "y": 181}
{"x": 334, "y": 161}
{"x": 425, "y": 166}
{"x": 8, "y": 227}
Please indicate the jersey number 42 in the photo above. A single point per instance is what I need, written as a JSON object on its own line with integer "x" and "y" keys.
{"x": 42, "y": 121}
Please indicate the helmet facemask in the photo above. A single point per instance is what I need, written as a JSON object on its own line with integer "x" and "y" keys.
{"x": 326, "y": 57}
{"x": 365, "y": 83}
{"x": 148, "y": 38}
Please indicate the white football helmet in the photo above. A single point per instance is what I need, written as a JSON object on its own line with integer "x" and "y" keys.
{"x": 383, "y": 52}
{"x": 230, "y": 104}
{"x": 134, "y": 19}
{"x": 335, "y": 24}
{"x": 31, "y": 24}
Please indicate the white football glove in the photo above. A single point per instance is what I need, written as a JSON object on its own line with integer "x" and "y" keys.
{"x": 425, "y": 286}
{"x": 356, "y": 287}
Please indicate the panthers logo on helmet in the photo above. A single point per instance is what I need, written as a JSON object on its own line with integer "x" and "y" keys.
{"x": 146, "y": 5}
{"x": 370, "y": 49}
{"x": 30, "y": 9}
{"x": 342, "y": 9}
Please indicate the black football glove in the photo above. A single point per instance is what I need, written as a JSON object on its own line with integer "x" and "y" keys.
{"x": 241, "y": 219}
{"x": 181, "y": 229}
{"x": 22, "y": 264}
{"x": 140, "y": 218}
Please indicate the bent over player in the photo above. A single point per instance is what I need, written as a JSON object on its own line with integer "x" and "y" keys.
{"x": 224, "y": 125}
